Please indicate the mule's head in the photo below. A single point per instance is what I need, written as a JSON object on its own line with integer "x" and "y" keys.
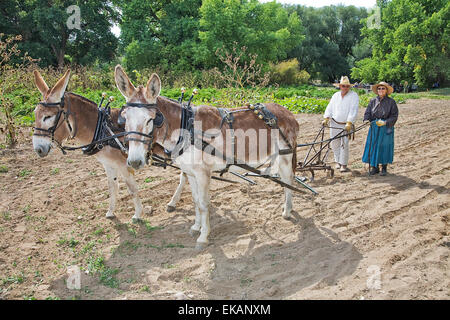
{"x": 138, "y": 118}
{"x": 48, "y": 114}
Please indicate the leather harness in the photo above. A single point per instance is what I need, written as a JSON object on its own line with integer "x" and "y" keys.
{"x": 50, "y": 132}
{"x": 187, "y": 131}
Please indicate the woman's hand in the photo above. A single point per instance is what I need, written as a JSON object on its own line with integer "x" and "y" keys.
{"x": 380, "y": 123}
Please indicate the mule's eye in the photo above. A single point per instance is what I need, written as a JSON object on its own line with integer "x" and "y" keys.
{"x": 47, "y": 117}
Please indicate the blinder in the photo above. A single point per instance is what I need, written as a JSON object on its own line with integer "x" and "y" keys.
{"x": 121, "y": 120}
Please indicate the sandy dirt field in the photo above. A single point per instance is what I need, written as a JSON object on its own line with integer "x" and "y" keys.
{"x": 361, "y": 238}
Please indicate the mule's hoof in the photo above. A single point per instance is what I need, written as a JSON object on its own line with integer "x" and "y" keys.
{"x": 170, "y": 208}
{"x": 136, "y": 220}
{"x": 201, "y": 246}
{"x": 194, "y": 233}
{"x": 287, "y": 217}
{"x": 110, "y": 216}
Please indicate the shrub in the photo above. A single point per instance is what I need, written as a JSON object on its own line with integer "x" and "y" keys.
{"x": 288, "y": 73}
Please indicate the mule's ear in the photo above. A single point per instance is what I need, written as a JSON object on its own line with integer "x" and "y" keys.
{"x": 153, "y": 87}
{"x": 123, "y": 83}
{"x": 60, "y": 87}
{"x": 40, "y": 83}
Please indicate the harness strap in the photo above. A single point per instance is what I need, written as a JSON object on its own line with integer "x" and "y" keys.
{"x": 269, "y": 119}
{"x": 244, "y": 166}
{"x": 228, "y": 117}
{"x": 56, "y": 123}
{"x": 186, "y": 126}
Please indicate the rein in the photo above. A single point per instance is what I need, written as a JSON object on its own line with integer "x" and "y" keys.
{"x": 102, "y": 129}
{"x": 338, "y": 136}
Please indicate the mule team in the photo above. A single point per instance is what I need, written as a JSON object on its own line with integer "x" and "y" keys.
{"x": 246, "y": 138}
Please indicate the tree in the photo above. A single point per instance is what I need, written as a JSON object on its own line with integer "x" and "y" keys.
{"x": 160, "y": 33}
{"x": 332, "y": 34}
{"x": 412, "y": 43}
{"x": 266, "y": 30}
{"x": 43, "y": 26}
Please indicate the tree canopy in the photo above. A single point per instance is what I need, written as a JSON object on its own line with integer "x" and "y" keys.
{"x": 43, "y": 27}
{"x": 410, "y": 43}
{"x": 266, "y": 30}
{"x": 332, "y": 33}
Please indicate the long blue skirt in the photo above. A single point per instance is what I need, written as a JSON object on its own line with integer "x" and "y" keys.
{"x": 379, "y": 144}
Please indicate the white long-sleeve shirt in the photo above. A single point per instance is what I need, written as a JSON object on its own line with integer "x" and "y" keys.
{"x": 343, "y": 109}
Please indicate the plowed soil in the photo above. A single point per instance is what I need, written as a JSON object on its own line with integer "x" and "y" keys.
{"x": 361, "y": 238}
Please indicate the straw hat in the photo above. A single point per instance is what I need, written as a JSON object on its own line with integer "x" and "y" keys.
{"x": 384, "y": 84}
{"x": 344, "y": 81}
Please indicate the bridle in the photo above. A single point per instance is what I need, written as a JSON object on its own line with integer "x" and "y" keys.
{"x": 158, "y": 121}
{"x": 50, "y": 132}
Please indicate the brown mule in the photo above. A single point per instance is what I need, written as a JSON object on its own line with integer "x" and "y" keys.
{"x": 256, "y": 143}
{"x": 79, "y": 123}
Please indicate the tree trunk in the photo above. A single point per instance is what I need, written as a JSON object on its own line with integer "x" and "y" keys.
{"x": 61, "y": 51}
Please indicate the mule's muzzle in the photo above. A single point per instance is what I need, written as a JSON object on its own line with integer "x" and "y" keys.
{"x": 135, "y": 164}
{"x": 42, "y": 151}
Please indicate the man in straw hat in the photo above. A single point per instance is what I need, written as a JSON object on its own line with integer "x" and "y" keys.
{"x": 341, "y": 114}
{"x": 382, "y": 112}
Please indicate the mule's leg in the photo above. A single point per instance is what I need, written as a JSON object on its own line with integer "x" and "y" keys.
{"x": 113, "y": 185}
{"x": 177, "y": 195}
{"x": 133, "y": 191}
{"x": 287, "y": 176}
{"x": 203, "y": 180}
{"x": 195, "y": 228}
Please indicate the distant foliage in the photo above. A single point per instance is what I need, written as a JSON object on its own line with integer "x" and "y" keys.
{"x": 412, "y": 44}
{"x": 43, "y": 26}
{"x": 267, "y": 30}
{"x": 288, "y": 73}
{"x": 332, "y": 40}
{"x": 12, "y": 75}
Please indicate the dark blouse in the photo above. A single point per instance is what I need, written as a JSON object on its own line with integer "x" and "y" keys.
{"x": 387, "y": 110}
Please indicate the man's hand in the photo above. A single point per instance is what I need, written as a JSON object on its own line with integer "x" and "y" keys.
{"x": 325, "y": 122}
{"x": 348, "y": 126}
{"x": 380, "y": 123}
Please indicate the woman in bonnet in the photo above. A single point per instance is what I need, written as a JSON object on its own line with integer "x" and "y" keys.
{"x": 382, "y": 112}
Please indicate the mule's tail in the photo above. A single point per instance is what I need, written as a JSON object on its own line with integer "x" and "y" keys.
{"x": 294, "y": 158}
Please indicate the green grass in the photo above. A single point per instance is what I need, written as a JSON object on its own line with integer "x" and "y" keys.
{"x": 150, "y": 228}
{"x": 17, "y": 279}
{"x": 6, "y": 215}
{"x": 99, "y": 231}
{"x": 128, "y": 246}
{"x": 145, "y": 289}
{"x": 173, "y": 245}
{"x": 441, "y": 91}
{"x": 72, "y": 243}
{"x": 150, "y": 179}
{"x": 88, "y": 247}
{"x": 24, "y": 173}
{"x": 3, "y": 169}
{"x": 107, "y": 275}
